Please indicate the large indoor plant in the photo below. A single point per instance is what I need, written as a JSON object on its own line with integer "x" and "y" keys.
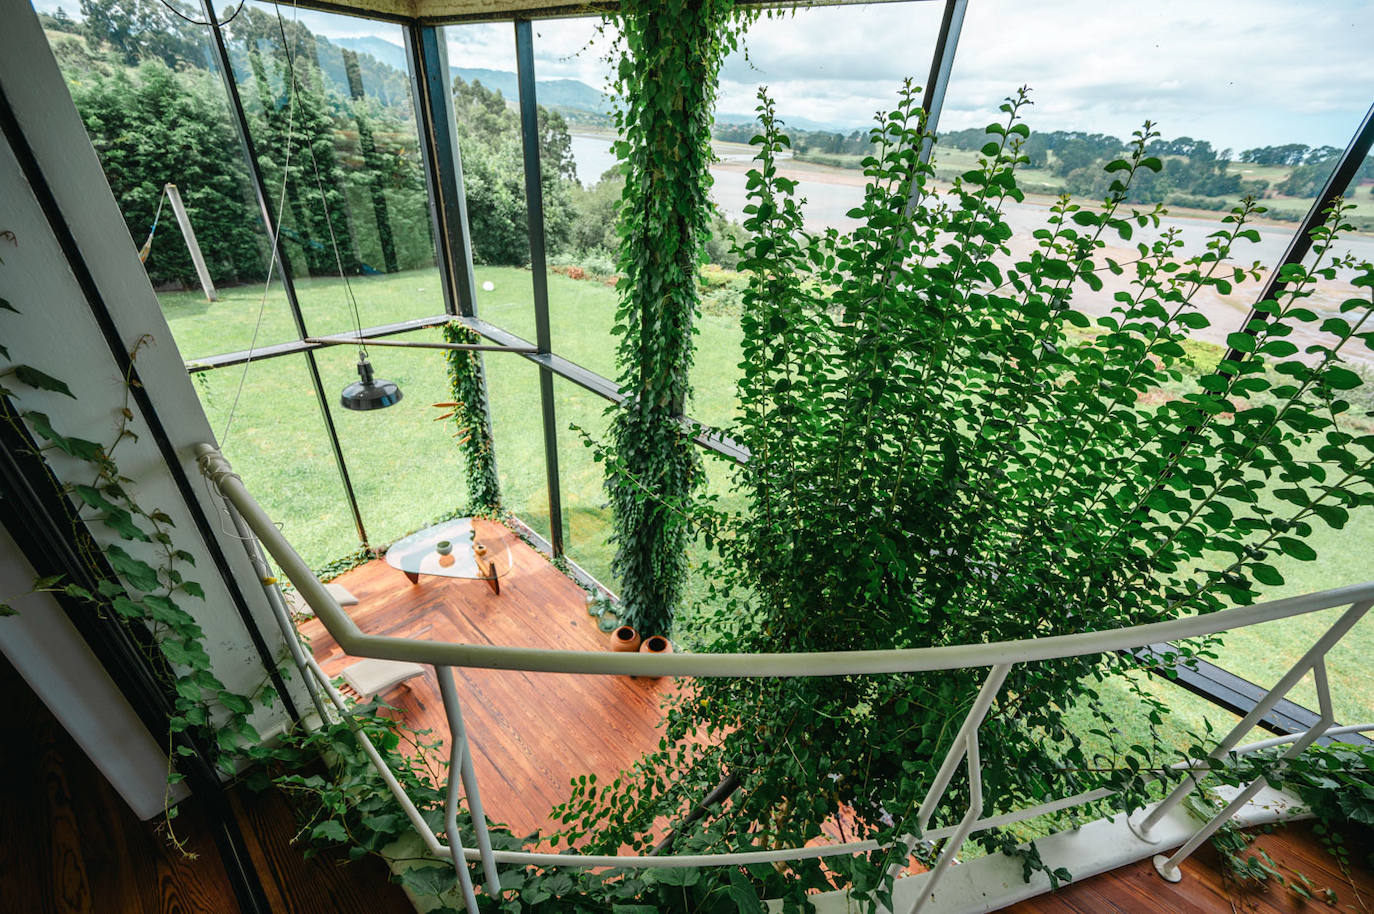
{"x": 945, "y": 449}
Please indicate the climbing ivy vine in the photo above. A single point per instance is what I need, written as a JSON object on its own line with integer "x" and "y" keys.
{"x": 471, "y": 419}
{"x": 667, "y": 58}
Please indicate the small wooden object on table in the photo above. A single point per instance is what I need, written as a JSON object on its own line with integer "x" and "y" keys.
{"x": 419, "y": 554}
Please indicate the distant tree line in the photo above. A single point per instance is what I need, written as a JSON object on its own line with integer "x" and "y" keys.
{"x": 1194, "y": 173}
{"x": 156, "y": 113}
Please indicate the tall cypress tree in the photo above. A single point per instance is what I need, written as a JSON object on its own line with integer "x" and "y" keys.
{"x": 376, "y": 169}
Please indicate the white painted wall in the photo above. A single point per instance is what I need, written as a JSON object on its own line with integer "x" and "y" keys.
{"x": 57, "y": 333}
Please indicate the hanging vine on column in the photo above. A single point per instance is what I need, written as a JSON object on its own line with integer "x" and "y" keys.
{"x": 472, "y": 419}
{"x": 668, "y": 57}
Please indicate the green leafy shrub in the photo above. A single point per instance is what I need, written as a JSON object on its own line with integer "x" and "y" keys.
{"x": 946, "y": 450}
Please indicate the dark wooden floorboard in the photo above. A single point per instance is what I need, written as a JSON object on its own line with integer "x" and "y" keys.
{"x": 70, "y": 845}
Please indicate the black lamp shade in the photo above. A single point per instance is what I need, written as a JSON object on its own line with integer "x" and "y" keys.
{"x": 369, "y": 392}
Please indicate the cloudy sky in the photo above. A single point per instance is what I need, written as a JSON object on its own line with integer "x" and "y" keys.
{"x": 1239, "y": 73}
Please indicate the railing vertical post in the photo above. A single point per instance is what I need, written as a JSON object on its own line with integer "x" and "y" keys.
{"x": 1280, "y": 689}
{"x": 288, "y": 631}
{"x": 1167, "y": 867}
{"x": 986, "y": 695}
{"x": 455, "y": 840}
{"x": 974, "y": 762}
{"x": 461, "y": 760}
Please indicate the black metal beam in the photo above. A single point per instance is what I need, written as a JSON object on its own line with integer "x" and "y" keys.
{"x": 1336, "y": 185}
{"x": 701, "y": 434}
{"x": 269, "y": 222}
{"x": 293, "y": 347}
{"x": 534, "y": 206}
{"x": 434, "y": 119}
{"x": 1228, "y": 691}
{"x": 941, "y": 65}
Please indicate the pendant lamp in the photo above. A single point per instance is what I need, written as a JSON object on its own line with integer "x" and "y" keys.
{"x": 369, "y": 392}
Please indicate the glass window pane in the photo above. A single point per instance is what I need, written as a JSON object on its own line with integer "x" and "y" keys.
{"x": 827, "y": 70}
{"x": 486, "y": 105}
{"x": 406, "y": 469}
{"x": 155, "y": 110}
{"x": 277, "y": 442}
{"x": 586, "y": 508}
{"x": 518, "y": 431}
{"x": 339, "y": 152}
{"x": 1224, "y": 131}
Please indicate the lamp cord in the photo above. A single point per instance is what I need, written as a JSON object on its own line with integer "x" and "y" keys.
{"x": 271, "y": 263}
{"x": 319, "y": 185}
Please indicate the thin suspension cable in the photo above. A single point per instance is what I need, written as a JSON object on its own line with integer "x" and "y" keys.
{"x": 271, "y": 263}
{"x": 294, "y": 89}
{"x": 232, "y": 16}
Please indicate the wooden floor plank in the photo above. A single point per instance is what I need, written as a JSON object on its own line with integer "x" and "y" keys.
{"x": 1206, "y": 889}
{"x": 531, "y": 733}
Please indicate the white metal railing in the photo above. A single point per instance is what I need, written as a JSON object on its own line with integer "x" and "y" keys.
{"x": 255, "y": 527}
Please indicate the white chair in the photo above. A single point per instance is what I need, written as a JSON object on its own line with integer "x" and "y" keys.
{"x": 301, "y": 609}
{"x": 371, "y": 678}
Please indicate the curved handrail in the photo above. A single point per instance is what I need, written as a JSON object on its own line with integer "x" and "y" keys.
{"x": 1000, "y": 656}
{"x": 822, "y": 663}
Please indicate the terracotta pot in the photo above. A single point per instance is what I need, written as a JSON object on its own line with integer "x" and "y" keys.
{"x": 479, "y": 550}
{"x": 655, "y": 644}
{"x": 625, "y": 638}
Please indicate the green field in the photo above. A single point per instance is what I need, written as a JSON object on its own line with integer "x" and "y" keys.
{"x": 406, "y": 470}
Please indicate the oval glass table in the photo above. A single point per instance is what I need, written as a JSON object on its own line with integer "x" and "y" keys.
{"x": 419, "y": 553}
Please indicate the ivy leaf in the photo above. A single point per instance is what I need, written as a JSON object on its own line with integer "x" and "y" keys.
{"x": 41, "y": 381}
{"x": 429, "y": 880}
{"x": 193, "y": 589}
{"x": 236, "y": 703}
{"x": 137, "y": 572}
{"x": 329, "y": 830}
{"x": 742, "y": 892}
{"x": 7, "y": 610}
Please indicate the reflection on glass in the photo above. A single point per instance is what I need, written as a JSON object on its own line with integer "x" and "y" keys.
{"x": 333, "y": 121}
{"x": 486, "y": 107}
{"x": 278, "y": 444}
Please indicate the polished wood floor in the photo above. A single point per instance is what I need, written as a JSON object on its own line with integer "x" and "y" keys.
{"x": 531, "y": 733}
{"x": 69, "y": 844}
{"x": 1207, "y": 889}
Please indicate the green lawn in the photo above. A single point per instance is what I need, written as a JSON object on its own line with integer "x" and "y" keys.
{"x": 406, "y": 471}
